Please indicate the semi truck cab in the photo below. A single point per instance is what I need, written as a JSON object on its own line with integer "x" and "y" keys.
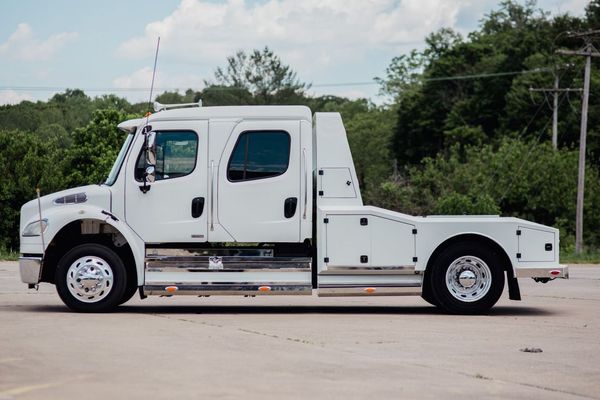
{"x": 262, "y": 200}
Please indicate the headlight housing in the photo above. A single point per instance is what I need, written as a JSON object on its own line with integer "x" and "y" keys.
{"x": 36, "y": 228}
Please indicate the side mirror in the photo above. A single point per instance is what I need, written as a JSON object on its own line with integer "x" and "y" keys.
{"x": 150, "y": 174}
{"x": 150, "y": 150}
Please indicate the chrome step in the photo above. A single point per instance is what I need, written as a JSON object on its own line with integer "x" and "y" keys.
{"x": 334, "y": 290}
{"x": 243, "y": 289}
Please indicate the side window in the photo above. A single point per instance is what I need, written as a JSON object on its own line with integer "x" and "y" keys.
{"x": 259, "y": 155}
{"x": 176, "y": 153}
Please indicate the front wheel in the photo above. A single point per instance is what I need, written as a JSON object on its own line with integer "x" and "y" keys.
{"x": 467, "y": 278}
{"x": 91, "y": 278}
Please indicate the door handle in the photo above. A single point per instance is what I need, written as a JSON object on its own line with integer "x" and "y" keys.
{"x": 289, "y": 207}
{"x": 197, "y": 207}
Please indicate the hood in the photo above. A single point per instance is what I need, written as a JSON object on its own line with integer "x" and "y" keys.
{"x": 97, "y": 195}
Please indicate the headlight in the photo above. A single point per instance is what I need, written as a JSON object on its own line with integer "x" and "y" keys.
{"x": 36, "y": 228}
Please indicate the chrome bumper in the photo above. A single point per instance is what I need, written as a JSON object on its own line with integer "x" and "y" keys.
{"x": 562, "y": 271}
{"x": 30, "y": 269}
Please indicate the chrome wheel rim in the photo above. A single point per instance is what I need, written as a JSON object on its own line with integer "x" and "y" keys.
{"x": 90, "y": 279}
{"x": 468, "y": 278}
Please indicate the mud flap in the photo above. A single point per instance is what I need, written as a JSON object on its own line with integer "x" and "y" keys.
{"x": 513, "y": 288}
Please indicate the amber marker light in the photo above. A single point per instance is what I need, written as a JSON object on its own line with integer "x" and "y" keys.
{"x": 264, "y": 289}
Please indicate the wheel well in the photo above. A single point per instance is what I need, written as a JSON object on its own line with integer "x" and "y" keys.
{"x": 474, "y": 238}
{"x": 87, "y": 231}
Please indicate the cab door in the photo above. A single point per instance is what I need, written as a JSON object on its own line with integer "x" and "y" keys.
{"x": 259, "y": 182}
{"x": 174, "y": 209}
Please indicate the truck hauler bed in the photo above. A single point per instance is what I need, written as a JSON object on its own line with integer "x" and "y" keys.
{"x": 262, "y": 200}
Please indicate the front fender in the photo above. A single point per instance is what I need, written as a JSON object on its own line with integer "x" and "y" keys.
{"x": 60, "y": 217}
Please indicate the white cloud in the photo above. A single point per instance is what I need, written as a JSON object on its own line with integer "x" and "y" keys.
{"x": 12, "y": 97}
{"x": 309, "y": 34}
{"x": 22, "y": 44}
{"x": 142, "y": 78}
{"x": 574, "y": 7}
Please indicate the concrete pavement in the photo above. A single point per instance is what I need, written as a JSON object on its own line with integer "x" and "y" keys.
{"x": 302, "y": 347}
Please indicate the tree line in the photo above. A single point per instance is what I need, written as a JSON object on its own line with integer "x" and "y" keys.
{"x": 460, "y": 132}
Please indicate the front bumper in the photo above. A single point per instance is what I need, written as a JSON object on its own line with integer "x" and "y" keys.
{"x": 561, "y": 271}
{"x": 30, "y": 269}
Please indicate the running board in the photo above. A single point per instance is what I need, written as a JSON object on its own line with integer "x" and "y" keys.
{"x": 335, "y": 290}
{"x": 243, "y": 289}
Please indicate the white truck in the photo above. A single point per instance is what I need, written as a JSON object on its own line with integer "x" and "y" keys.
{"x": 262, "y": 200}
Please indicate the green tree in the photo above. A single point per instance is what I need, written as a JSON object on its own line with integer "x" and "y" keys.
{"x": 263, "y": 74}
{"x": 95, "y": 148}
{"x": 27, "y": 162}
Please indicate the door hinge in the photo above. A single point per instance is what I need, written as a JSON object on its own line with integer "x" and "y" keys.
{"x": 320, "y": 193}
{"x": 415, "y": 259}
{"x": 364, "y": 221}
{"x": 321, "y": 172}
{"x": 326, "y": 259}
{"x": 518, "y": 232}
{"x": 364, "y": 259}
{"x": 325, "y": 220}
{"x": 518, "y": 255}
{"x": 414, "y": 231}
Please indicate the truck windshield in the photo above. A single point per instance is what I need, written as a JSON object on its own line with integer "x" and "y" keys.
{"x": 114, "y": 172}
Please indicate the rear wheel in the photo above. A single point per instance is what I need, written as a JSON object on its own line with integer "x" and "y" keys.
{"x": 467, "y": 278}
{"x": 91, "y": 278}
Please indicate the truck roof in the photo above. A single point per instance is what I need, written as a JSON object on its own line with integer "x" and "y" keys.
{"x": 245, "y": 112}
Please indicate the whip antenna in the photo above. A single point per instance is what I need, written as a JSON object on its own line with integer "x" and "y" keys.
{"x": 153, "y": 75}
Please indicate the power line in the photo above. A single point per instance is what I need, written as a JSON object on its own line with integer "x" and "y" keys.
{"x": 588, "y": 51}
{"x": 333, "y": 84}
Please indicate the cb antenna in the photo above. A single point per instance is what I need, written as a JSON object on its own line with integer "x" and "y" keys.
{"x": 147, "y": 128}
{"x": 153, "y": 76}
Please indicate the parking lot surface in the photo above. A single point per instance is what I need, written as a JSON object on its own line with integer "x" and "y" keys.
{"x": 302, "y": 347}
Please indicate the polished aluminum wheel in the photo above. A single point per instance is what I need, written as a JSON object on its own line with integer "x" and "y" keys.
{"x": 90, "y": 279}
{"x": 468, "y": 278}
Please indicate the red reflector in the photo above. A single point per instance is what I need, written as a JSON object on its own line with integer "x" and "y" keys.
{"x": 555, "y": 272}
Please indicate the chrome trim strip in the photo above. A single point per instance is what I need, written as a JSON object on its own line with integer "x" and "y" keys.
{"x": 212, "y": 197}
{"x": 233, "y": 288}
{"x": 305, "y": 183}
{"x": 226, "y": 264}
{"x": 543, "y": 272}
{"x": 368, "y": 290}
{"x": 30, "y": 269}
{"x": 345, "y": 270}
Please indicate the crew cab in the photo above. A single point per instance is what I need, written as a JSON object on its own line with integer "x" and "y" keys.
{"x": 262, "y": 200}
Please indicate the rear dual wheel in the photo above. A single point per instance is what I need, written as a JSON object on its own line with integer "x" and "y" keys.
{"x": 466, "y": 278}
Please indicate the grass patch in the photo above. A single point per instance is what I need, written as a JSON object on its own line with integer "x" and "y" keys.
{"x": 586, "y": 257}
{"x": 8, "y": 255}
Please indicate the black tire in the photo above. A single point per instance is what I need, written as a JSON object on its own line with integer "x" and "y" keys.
{"x": 468, "y": 252}
{"x": 130, "y": 291}
{"x": 117, "y": 288}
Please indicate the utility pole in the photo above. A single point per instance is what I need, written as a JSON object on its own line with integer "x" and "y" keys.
{"x": 556, "y": 90}
{"x": 588, "y": 52}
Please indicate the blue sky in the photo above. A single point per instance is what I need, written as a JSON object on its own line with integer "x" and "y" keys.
{"x": 109, "y": 45}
